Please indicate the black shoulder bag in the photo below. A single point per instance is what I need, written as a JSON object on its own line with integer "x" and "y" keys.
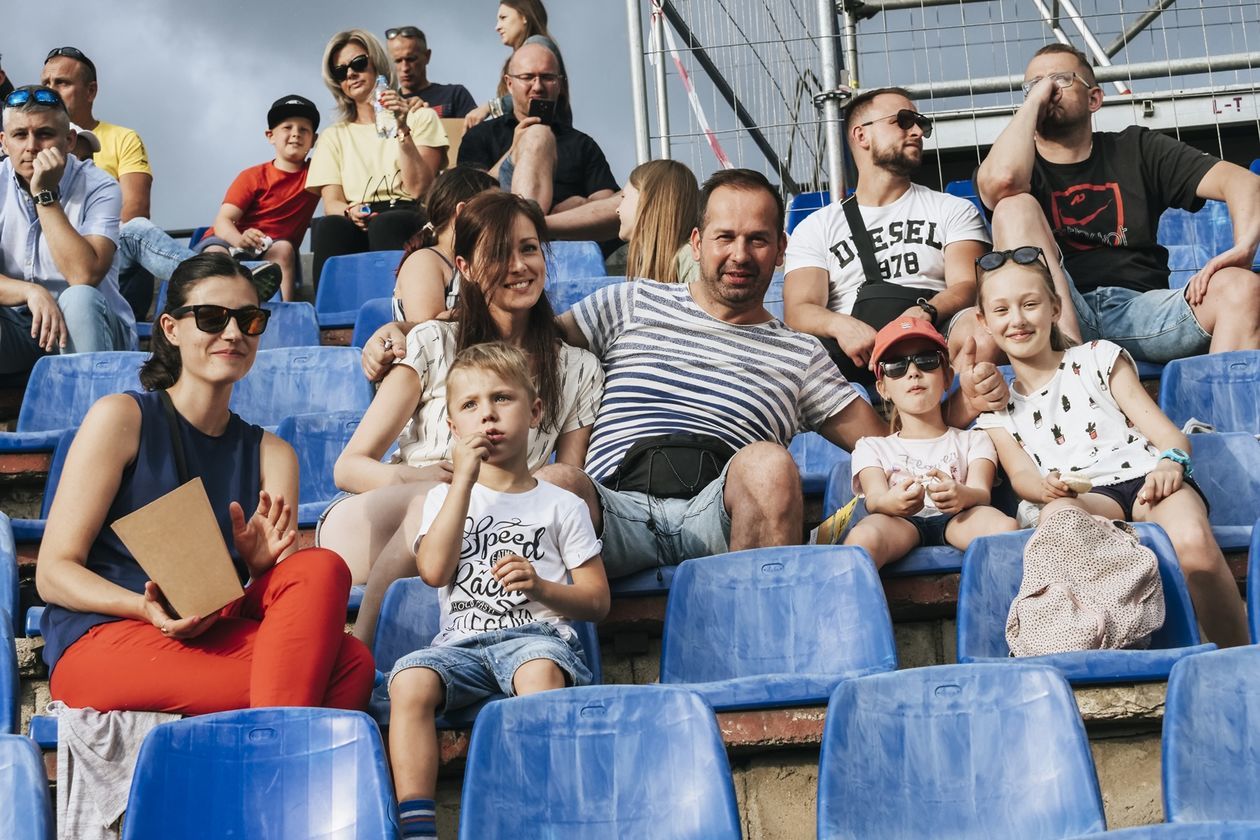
{"x": 878, "y": 301}
{"x": 177, "y": 443}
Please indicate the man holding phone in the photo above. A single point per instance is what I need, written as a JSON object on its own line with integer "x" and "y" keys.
{"x": 529, "y": 151}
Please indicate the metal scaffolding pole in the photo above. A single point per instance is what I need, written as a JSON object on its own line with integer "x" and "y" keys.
{"x": 662, "y": 93}
{"x": 1141, "y": 23}
{"x": 1137, "y": 70}
{"x": 828, "y": 47}
{"x": 638, "y": 84}
{"x": 1101, "y": 58}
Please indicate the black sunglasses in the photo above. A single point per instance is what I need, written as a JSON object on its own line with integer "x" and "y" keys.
{"x": 358, "y": 64}
{"x": 70, "y": 52}
{"x": 404, "y": 31}
{"x": 41, "y": 96}
{"x": 905, "y": 118}
{"x": 898, "y": 367}
{"x": 1024, "y": 255}
{"x": 251, "y": 320}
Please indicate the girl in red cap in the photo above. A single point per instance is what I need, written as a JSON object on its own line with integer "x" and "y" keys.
{"x": 926, "y": 483}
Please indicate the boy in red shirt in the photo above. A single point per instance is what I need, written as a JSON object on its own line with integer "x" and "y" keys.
{"x": 267, "y": 209}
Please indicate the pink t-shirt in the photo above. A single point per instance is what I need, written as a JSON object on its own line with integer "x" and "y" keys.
{"x": 900, "y": 457}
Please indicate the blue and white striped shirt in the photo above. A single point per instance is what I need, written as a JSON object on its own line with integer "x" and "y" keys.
{"x": 672, "y": 367}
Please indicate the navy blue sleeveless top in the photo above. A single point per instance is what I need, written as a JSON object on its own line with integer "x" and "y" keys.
{"x": 228, "y": 466}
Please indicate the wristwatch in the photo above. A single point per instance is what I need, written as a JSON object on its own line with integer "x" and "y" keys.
{"x": 46, "y": 197}
{"x": 1179, "y": 456}
{"x": 929, "y": 309}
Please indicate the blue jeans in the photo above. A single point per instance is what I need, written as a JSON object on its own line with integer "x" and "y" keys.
{"x": 1156, "y": 326}
{"x": 91, "y": 324}
{"x": 140, "y": 242}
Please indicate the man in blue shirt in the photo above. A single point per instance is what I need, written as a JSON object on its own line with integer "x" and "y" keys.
{"x": 58, "y": 233}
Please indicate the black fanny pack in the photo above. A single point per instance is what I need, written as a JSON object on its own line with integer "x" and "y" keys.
{"x": 673, "y": 466}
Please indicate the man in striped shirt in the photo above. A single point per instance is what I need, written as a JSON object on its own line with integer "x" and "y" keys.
{"x": 707, "y": 358}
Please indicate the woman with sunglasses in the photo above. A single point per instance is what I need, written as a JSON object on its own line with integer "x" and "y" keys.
{"x": 520, "y": 22}
{"x": 499, "y": 254}
{"x": 372, "y": 186}
{"x": 111, "y": 641}
{"x": 926, "y": 483}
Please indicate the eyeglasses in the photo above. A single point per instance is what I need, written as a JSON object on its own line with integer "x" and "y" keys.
{"x": 358, "y": 64}
{"x": 900, "y": 366}
{"x": 41, "y": 96}
{"x": 1061, "y": 80}
{"x": 403, "y": 31}
{"x": 1025, "y": 255}
{"x": 251, "y": 320}
{"x": 905, "y": 118}
{"x": 70, "y": 52}
{"x": 530, "y": 78}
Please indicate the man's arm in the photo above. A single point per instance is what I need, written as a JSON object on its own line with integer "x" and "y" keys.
{"x": 855, "y": 421}
{"x": 1240, "y": 190}
{"x": 48, "y": 328}
{"x": 136, "y": 190}
{"x": 572, "y": 333}
{"x": 960, "y": 282}
{"x": 805, "y": 292}
{"x": 82, "y": 260}
{"x": 1007, "y": 169}
{"x": 596, "y": 219}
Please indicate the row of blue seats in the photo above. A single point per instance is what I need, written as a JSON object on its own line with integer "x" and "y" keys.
{"x": 991, "y": 750}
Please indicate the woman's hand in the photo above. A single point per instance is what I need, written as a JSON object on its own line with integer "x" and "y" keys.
{"x": 359, "y": 213}
{"x": 440, "y": 472}
{"x": 1052, "y": 487}
{"x": 400, "y": 107}
{"x": 475, "y": 116}
{"x": 173, "y": 628}
{"x": 387, "y": 345}
{"x": 266, "y": 536}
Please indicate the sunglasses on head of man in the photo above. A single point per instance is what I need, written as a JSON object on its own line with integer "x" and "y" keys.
{"x": 905, "y": 119}
{"x": 70, "y": 52}
{"x": 403, "y": 32}
{"x": 36, "y": 93}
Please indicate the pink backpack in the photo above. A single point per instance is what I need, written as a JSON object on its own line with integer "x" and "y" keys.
{"x": 1088, "y": 584}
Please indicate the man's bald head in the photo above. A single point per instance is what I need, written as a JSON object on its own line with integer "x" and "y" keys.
{"x": 533, "y": 58}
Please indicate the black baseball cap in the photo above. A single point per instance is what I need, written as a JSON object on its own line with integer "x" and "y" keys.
{"x": 292, "y": 105}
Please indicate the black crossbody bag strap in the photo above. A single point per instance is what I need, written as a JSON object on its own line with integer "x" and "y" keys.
{"x": 177, "y": 443}
{"x": 861, "y": 240}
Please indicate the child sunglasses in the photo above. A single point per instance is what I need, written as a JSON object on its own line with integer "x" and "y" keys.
{"x": 900, "y": 366}
{"x": 251, "y": 320}
{"x": 358, "y": 64}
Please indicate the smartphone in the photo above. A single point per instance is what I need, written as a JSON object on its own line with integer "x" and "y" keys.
{"x": 544, "y": 109}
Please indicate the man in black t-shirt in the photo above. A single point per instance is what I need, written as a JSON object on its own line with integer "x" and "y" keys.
{"x": 553, "y": 164}
{"x": 1095, "y": 198}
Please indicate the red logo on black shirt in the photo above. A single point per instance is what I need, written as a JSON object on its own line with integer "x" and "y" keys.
{"x": 1088, "y": 216}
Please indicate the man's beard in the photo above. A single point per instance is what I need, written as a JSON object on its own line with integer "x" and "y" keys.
{"x": 896, "y": 159}
{"x": 1056, "y": 125}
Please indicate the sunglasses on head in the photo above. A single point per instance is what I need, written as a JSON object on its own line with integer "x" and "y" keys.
{"x": 40, "y": 95}
{"x": 404, "y": 31}
{"x": 1024, "y": 255}
{"x": 70, "y": 52}
{"x": 251, "y": 320}
{"x": 900, "y": 366}
{"x": 358, "y": 64}
{"x": 905, "y": 118}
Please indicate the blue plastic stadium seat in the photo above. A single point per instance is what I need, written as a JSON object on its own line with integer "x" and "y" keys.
{"x": 1227, "y": 469}
{"x": 60, "y": 391}
{"x": 992, "y": 568}
{"x": 804, "y": 204}
{"x": 774, "y": 627}
{"x": 966, "y": 189}
{"x": 1253, "y": 583}
{"x": 1255, "y": 166}
{"x": 410, "y": 618}
{"x": 32, "y": 530}
{"x": 291, "y": 325}
{"x": 301, "y": 380}
{"x": 10, "y": 684}
{"x": 197, "y": 233}
{"x": 1221, "y": 830}
{"x": 815, "y": 457}
{"x": 350, "y": 280}
{"x": 1209, "y": 228}
{"x": 1211, "y": 743}
{"x": 930, "y": 560}
{"x": 1218, "y": 388}
{"x": 263, "y": 773}
{"x": 9, "y": 575}
{"x": 574, "y": 260}
{"x": 318, "y": 440}
{"x": 26, "y": 808}
{"x": 598, "y": 762}
{"x": 373, "y": 315}
{"x": 564, "y": 293}
{"x": 956, "y": 751}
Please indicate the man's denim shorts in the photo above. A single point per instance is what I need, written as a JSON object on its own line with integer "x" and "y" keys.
{"x": 483, "y": 665}
{"x": 643, "y": 532}
{"x": 1156, "y": 326}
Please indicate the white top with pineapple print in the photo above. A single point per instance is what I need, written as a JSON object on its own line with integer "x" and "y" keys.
{"x": 1072, "y": 423}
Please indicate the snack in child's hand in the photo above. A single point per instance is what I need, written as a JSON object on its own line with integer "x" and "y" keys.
{"x": 1077, "y": 482}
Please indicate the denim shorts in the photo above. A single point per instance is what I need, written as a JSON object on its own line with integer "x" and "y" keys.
{"x": 643, "y": 532}
{"x": 1156, "y": 326}
{"x": 932, "y": 528}
{"x": 483, "y": 665}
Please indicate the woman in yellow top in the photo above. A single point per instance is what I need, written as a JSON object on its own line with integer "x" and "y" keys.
{"x": 371, "y": 185}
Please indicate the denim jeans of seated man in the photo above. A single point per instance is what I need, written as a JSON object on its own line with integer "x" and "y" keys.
{"x": 145, "y": 252}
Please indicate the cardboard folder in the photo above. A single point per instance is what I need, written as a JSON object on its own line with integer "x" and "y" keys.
{"x": 176, "y": 540}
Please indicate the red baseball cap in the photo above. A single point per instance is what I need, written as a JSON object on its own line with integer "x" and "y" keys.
{"x": 897, "y": 331}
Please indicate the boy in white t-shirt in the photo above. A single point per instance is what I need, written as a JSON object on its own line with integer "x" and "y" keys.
{"x": 501, "y": 546}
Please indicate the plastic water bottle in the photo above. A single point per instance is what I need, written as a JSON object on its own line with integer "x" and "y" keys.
{"x": 386, "y": 122}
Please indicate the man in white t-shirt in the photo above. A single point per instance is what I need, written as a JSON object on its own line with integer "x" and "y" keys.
{"x": 921, "y": 237}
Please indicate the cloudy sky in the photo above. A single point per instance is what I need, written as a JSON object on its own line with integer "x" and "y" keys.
{"x": 196, "y": 79}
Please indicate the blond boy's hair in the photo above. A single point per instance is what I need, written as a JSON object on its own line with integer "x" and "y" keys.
{"x": 497, "y": 357}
